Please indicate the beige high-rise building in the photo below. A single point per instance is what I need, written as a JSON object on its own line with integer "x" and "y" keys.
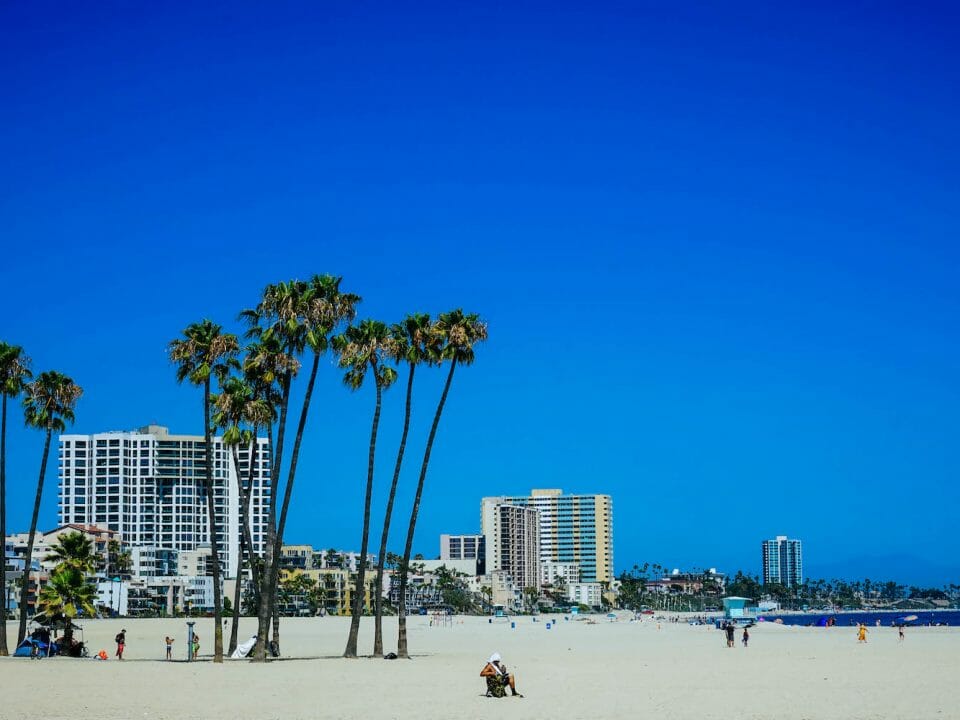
{"x": 512, "y": 538}
{"x": 573, "y": 529}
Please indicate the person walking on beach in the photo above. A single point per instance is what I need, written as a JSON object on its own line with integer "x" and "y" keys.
{"x": 862, "y": 634}
{"x": 498, "y": 679}
{"x": 730, "y": 629}
{"x": 746, "y": 637}
{"x": 902, "y": 635}
{"x": 169, "y": 641}
{"x": 196, "y": 645}
{"x": 121, "y": 640}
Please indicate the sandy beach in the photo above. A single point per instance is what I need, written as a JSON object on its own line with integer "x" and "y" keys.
{"x": 574, "y": 670}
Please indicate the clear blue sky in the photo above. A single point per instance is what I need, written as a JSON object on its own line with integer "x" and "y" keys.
{"x": 717, "y": 250}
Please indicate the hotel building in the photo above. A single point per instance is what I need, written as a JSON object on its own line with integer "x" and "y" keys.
{"x": 782, "y": 561}
{"x": 148, "y": 485}
{"x": 573, "y": 529}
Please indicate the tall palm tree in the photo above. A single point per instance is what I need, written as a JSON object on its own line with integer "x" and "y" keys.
{"x": 459, "y": 333}
{"x": 73, "y": 549}
{"x": 361, "y": 347}
{"x": 409, "y": 345}
{"x": 48, "y": 406}
{"x": 206, "y": 352}
{"x": 280, "y": 338}
{"x": 321, "y": 308}
{"x": 14, "y": 372}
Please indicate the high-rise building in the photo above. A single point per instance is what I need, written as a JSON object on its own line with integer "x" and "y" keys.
{"x": 512, "y": 537}
{"x": 465, "y": 547}
{"x": 149, "y": 486}
{"x": 782, "y": 561}
{"x": 573, "y": 528}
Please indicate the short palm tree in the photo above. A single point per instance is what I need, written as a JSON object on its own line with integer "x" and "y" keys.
{"x": 410, "y": 345}
{"x": 73, "y": 549}
{"x": 459, "y": 334}
{"x": 14, "y": 373}
{"x": 48, "y": 405}
{"x": 239, "y": 413}
{"x": 362, "y": 347}
{"x": 206, "y": 352}
{"x": 66, "y": 594}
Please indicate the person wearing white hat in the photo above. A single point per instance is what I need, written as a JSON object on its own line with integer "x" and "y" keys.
{"x": 498, "y": 679}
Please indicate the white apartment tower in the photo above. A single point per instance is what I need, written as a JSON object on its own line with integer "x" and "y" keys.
{"x": 782, "y": 561}
{"x": 149, "y": 485}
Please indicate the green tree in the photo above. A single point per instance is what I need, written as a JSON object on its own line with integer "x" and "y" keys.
{"x": 206, "y": 352}
{"x": 48, "y": 406}
{"x": 73, "y": 549}
{"x": 457, "y": 334}
{"x": 362, "y": 347}
{"x": 14, "y": 373}
{"x": 67, "y": 592}
{"x": 410, "y": 344}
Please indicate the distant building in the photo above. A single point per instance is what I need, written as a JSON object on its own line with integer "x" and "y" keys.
{"x": 782, "y": 561}
{"x": 590, "y": 594}
{"x": 512, "y": 535}
{"x": 554, "y": 573}
{"x": 573, "y": 528}
{"x": 148, "y": 485}
{"x": 465, "y": 547}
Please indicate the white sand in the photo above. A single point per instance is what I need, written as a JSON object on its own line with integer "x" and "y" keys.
{"x": 575, "y": 670}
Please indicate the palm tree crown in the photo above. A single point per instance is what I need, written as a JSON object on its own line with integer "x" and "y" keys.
{"x": 50, "y": 400}
{"x": 205, "y": 351}
{"x": 14, "y": 369}
{"x": 73, "y": 550}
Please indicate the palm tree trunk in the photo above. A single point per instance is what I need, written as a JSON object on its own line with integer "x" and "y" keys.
{"x": 4, "y": 652}
{"x": 381, "y": 556}
{"x": 270, "y": 571}
{"x": 402, "y": 613}
{"x": 291, "y": 474}
{"x": 25, "y": 589}
{"x": 212, "y": 522}
{"x": 357, "y": 608}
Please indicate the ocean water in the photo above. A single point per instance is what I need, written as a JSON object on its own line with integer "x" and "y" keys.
{"x": 924, "y": 617}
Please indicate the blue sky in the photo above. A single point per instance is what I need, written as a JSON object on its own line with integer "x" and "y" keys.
{"x": 716, "y": 249}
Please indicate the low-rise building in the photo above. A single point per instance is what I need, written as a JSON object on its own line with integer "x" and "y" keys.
{"x": 590, "y": 594}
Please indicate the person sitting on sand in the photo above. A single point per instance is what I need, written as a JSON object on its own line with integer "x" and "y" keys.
{"x": 498, "y": 679}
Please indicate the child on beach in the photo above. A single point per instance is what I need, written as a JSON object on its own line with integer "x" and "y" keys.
{"x": 862, "y": 634}
{"x": 196, "y": 645}
{"x": 169, "y": 641}
{"x": 746, "y": 637}
{"x": 121, "y": 640}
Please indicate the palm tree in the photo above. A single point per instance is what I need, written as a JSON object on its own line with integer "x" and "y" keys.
{"x": 459, "y": 333}
{"x": 240, "y": 403}
{"x": 48, "y": 406}
{"x": 360, "y": 347}
{"x": 14, "y": 372}
{"x": 321, "y": 308}
{"x": 73, "y": 549}
{"x": 409, "y": 344}
{"x": 279, "y": 339}
{"x": 206, "y": 351}
{"x": 66, "y": 593}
